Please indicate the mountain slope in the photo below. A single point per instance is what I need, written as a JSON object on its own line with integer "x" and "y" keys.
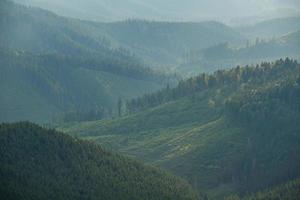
{"x": 205, "y": 131}
{"x": 42, "y": 164}
{"x": 51, "y": 65}
{"x": 42, "y": 87}
{"x": 40, "y": 31}
{"x": 287, "y": 191}
{"x": 224, "y": 55}
{"x": 158, "y": 43}
{"x": 271, "y": 28}
{"x": 69, "y": 65}
{"x": 164, "y": 42}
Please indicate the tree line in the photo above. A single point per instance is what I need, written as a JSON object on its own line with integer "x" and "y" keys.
{"x": 258, "y": 74}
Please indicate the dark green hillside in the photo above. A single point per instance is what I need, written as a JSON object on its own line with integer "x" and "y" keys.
{"x": 287, "y": 191}
{"x": 275, "y": 104}
{"x": 43, "y": 164}
{"x": 200, "y": 131}
{"x": 42, "y": 87}
{"x": 233, "y": 78}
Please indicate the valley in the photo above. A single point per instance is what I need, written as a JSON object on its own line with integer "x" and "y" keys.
{"x": 200, "y": 136}
{"x": 96, "y": 103}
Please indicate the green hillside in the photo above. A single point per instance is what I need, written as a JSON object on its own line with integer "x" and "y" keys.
{"x": 43, "y": 164}
{"x": 51, "y": 65}
{"x": 287, "y": 191}
{"x": 228, "y": 133}
{"x": 218, "y": 131}
{"x": 42, "y": 87}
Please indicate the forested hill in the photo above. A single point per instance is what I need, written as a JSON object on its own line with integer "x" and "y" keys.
{"x": 42, "y": 88}
{"x": 43, "y": 164}
{"x": 287, "y": 191}
{"x": 51, "y": 65}
{"x": 287, "y": 45}
{"x": 40, "y": 31}
{"x": 81, "y": 65}
{"x": 238, "y": 76}
{"x": 226, "y": 55}
{"x": 232, "y": 132}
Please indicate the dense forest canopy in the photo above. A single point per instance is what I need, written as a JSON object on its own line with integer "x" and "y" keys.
{"x": 287, "y": 191}
{"x": 37, "y": 163}
{"x": 43, "y": 87}
{"x": 239, "y": 75}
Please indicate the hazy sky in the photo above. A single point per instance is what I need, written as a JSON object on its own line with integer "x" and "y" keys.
{"x": 187, "y": 10}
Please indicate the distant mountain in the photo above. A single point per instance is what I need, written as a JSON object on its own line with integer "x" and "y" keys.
{"x": 271, "y": 28}
{"x": 224, "y": 55}
{"x": 292, "y": 39}
{"x": 168, "y": 10}
{"x": 37, "y": 163}
{"x": 159, "y": 43}
{"x": 51, "y": 65}
{"x": 54, "y": 65}
{"x": 233, "y": 131}
{"x": 164, "y": 43}
{"x": 40, "y": 31}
